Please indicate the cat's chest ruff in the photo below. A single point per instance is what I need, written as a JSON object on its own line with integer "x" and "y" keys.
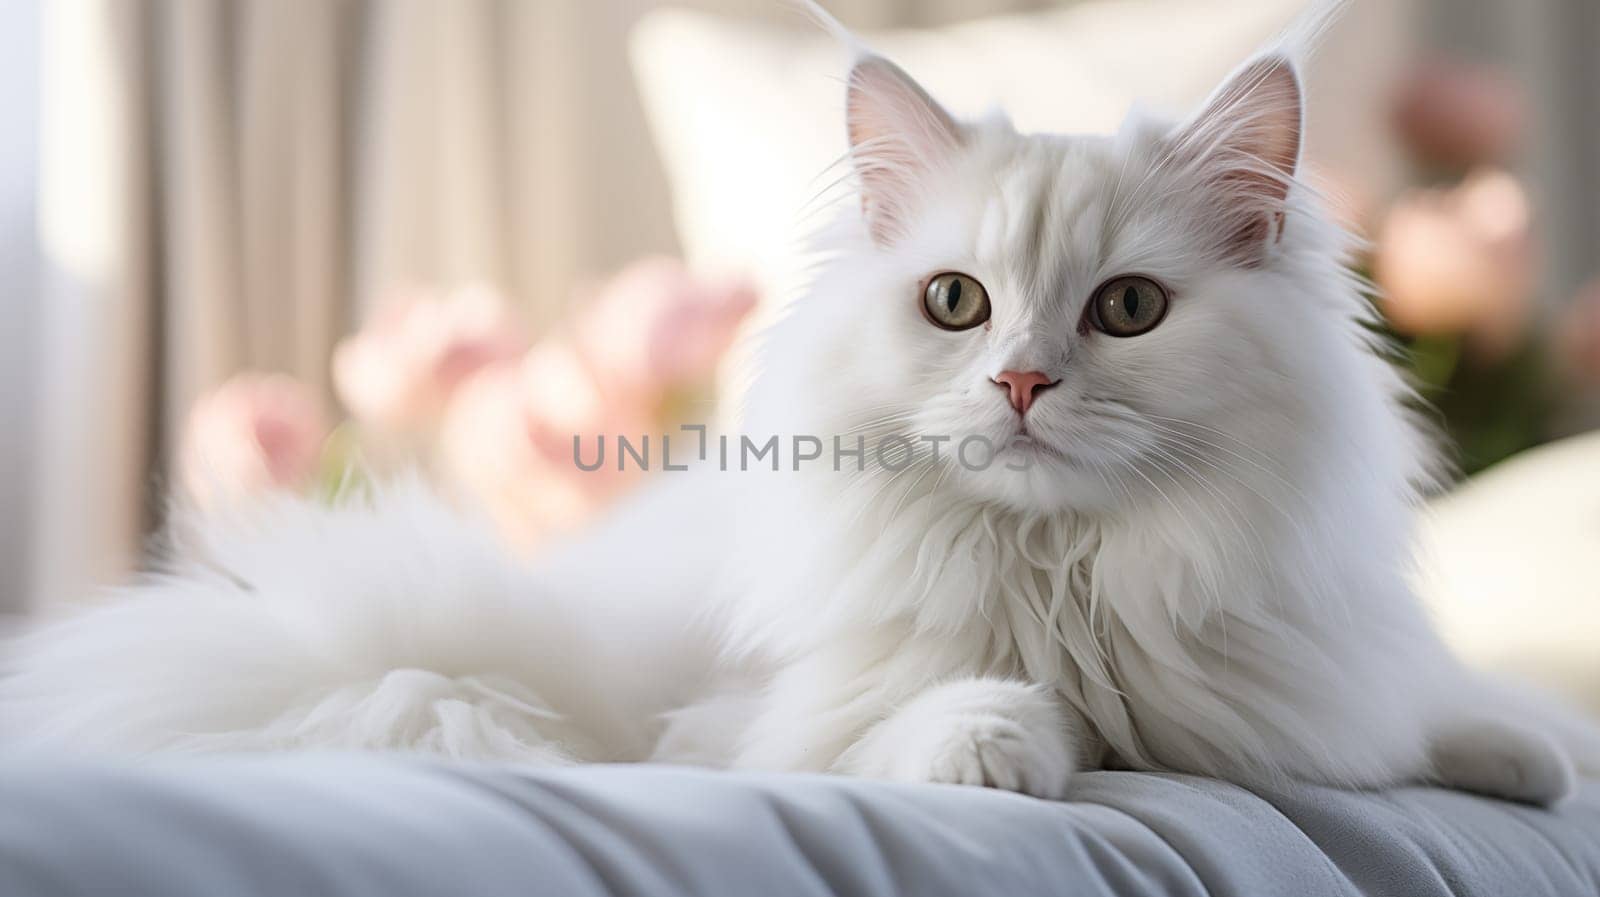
{"x": 1022, "y": 583}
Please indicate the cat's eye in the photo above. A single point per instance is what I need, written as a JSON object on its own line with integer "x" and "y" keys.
{"x": 1128, "y": 306}
{"x": 955, "y": 301}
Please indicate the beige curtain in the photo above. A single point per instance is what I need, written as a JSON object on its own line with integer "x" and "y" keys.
{"x": 233, "y": 184}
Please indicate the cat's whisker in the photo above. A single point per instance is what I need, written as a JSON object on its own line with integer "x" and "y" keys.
{"x": 1189, "y": 451}
{"x": 1266, "y": 500}
{"x": 1260, "y": 461}
{"x": 814, "y": 203}
{"x": 1164, "y": 424}
{"x": 1193, "y": 444}
{"x": 881, "y": 421}
{"x": 1206, "y": 575}
{"x": 927, "y": 467}
{"x": 1237, "y": 517}
{"x": 1194, "y": 439}
{"x": 872, "y": 500}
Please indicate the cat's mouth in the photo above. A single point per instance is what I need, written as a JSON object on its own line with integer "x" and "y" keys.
{"x": 1027, "y": 444}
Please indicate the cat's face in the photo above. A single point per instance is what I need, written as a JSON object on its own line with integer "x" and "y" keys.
{"x": 1113, "y": 315}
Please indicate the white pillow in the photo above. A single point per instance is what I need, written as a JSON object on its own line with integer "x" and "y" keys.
{"x": 1511, "y": 568}
{"x": 748, "y": 117}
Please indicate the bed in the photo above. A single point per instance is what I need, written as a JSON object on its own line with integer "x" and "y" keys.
{"x": 387, "y": 826}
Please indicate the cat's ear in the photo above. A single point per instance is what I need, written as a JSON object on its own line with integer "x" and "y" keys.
{"x": 898, "y": 136}
{"x": 1245, "y": 146}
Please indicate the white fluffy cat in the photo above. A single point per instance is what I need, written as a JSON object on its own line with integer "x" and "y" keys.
{"x": 1188, "y": 554}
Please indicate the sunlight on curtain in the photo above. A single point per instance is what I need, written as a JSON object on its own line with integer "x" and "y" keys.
{"x": 92, "y": 408}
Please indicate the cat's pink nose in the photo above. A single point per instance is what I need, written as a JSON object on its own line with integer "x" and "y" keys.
{"x": 1023, "y": 386}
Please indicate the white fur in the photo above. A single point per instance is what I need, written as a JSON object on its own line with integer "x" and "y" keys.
{"x": 393, "y": 624}
{"x": 1201, "y": 569}
{"x": 1004, "y": 734}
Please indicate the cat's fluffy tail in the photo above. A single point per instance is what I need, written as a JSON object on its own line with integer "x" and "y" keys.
{"x": 394, "y": 623}
{"x": 1508, "y": 741}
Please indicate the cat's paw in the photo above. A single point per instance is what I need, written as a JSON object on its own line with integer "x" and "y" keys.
{"x": 1502, "y": 760}
{"x": 988, "y": 732}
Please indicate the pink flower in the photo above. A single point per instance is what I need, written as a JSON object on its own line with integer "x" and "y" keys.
{"x": 398, "y": 372}
{"x": 507, "y": 440}
{"x": 1458, "y": 115}
{"x": 253, "y": 434}
{"x": 507, "y": 435}
{"x": 1578, "y": 339}
{"x": 1460, "y": 260}
{"x": 656, "y": 326}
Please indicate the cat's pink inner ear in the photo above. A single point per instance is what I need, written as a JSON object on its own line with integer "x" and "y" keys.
{"x": 1246, "y": 144}
{"x": 898, "y": 136}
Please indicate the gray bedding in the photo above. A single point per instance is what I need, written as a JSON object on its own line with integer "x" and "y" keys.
{"x": 368, "y": 826}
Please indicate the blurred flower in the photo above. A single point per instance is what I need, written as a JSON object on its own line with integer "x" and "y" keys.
{"x": 1457, "y": 115}
{"x": 254, "y": 433}
{"x": 507, "y": 440}
{"x": 1460, "y": 260}
{"x": 503, "y": 416}
{"x": 398, "y": 372}
{"x": 656, "y": 325}
{"x": 1578, "y": 339}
